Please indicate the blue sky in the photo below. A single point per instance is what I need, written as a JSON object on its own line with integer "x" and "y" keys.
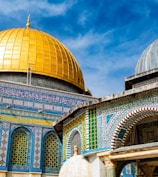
{"x": 106, "y": 37}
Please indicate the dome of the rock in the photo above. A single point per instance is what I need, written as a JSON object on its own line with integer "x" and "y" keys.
{"x": 24, "y": 50}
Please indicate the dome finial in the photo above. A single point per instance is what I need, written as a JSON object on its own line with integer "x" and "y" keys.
{"x": 75, "y": 150}
{"x": 28, "y": 22}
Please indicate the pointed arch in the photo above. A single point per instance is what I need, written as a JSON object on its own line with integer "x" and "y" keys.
{"x": 128, "y": 123}
{"x": 20, "y": 149}
{"x": 51, "y": 153}
{"x": 74, "y": 139}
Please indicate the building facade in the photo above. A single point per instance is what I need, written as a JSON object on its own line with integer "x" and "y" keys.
{"x": 45, "y": 111}
{"x": 118, "y": 133}
{"x": 40, "y": 81}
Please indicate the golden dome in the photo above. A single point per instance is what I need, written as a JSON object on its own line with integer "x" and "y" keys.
{"x": 22, "y": 48}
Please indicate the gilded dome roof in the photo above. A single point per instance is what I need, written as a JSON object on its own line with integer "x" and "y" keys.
{"x": 23, "y": 48}
{"x": 148, "y": 59}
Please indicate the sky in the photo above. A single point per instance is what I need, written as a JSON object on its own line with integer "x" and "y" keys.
{"x": 106, "y": 37}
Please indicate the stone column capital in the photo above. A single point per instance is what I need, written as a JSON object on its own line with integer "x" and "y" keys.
{"x": 108, "y": 162}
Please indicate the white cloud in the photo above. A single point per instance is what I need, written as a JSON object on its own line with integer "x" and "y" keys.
{"x": 104, "y": 81}
{"x": 100, "y": 55}
{"x": 41, "y": 7}
{"x": 99, "y": 67}
{"x": 86, "y": 40}
{"x": 83, "y": 18}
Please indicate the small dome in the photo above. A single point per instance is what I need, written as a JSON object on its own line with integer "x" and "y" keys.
{"x": 149, "y": 59}
{"x": 76, "y": 166}
{"x": 24, "y": 48}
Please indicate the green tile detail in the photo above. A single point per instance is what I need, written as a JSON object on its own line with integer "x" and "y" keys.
{"x": 92, "y": 129}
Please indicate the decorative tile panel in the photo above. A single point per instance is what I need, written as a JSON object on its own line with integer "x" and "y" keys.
{"x": 18, "y": 102}
{"x": 92, "y": 129}
{"x": 110, "y": 117}
{"x": 26, "y": 120}
{"x": 20, "y": 154}
{"x": 7, "y": 100}
{"x": 58, "y": 108}
{"x": 38, "y": 105}
{"x": 37, "y": 148}
{"x": 28, "y": 104}
{"x": 48, "y": 107}
{"x": 20, "y": 148}
{"x": 4, "y": 129}
{"x": 51, "y": 154}
{"x": 24, "y": 97}
{"x": 65, "y": 109}
{"x": 79, "y": 124}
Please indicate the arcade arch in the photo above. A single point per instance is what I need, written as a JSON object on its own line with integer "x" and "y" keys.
{"x": 135, "y": 141}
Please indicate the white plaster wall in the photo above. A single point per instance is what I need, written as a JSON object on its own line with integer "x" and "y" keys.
{"x": 97, "y": 166}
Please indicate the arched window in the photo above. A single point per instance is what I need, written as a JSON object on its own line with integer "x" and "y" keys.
{"x": 75, "y": 141}
{"x": 20, "y": 153}
{"x": 51, "y": 161}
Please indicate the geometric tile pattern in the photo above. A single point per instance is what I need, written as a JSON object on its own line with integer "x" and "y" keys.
{"x": 49, "y": 101}
{"x": 19, "y": 148}
{"x": 19, "y": 119}
{"x": 87, "y": 128}
{"x": 20, "y": 104}
{"x": 77, "y": 124}
{"x": 115, "y": 120}
{"x": 73, "y": 139}
{"x": 4, "y": 143}
{"x": 50, "y": 151}
{"x": 128, "y": 122}
{"x": 92, "y": 129}
{"x": 37, "y": 148}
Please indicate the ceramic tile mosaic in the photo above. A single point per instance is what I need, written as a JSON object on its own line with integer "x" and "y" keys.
{"x": 26, "y": 120}
{"x": 51, "y": 153}
{"x": 109, "y": 119}
{"x": 20, "y": 149}
{"x": 72, "y": 126}
{"x": 4, "y": 143}
{"x": 75, "y": 141}
{"x": 37, "y": 148}
{"x": 92, "y": 129}
{"x": 37, "y": 98}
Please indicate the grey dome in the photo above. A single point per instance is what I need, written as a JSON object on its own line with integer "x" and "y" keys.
{"x": 149, "y": 59}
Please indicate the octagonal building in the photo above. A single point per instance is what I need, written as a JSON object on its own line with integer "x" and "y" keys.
{"x": 40, "y": 81}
